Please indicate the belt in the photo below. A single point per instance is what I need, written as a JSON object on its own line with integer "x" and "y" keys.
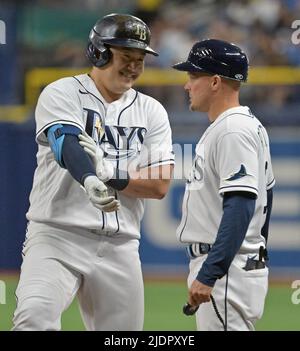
{"x": 197, "y": 249}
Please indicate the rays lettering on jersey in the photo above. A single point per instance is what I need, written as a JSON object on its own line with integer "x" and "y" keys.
{"x": 196, "y": 175}
{"x": 197, "y": 171}
{"x": 123, "y": 142}
{"x": 94, "y": 124}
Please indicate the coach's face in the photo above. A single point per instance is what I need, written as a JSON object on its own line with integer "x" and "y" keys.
{"x": 198, "y": 87}
{"x": 123, "y": 70}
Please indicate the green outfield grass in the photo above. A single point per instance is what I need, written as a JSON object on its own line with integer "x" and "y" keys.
{"x": 163, "y": 304}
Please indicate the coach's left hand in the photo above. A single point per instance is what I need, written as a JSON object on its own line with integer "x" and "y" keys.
{"x": 199, "y": 293}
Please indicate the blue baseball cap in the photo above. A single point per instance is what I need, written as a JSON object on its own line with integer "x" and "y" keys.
{"x": 215, "y": 56}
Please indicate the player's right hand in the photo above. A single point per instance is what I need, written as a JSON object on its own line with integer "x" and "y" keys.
{"x": 97, "y": 193}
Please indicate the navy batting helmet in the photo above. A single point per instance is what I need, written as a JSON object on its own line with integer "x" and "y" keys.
{"x": 118, "y": 30}
{"x": 216, "y": 57}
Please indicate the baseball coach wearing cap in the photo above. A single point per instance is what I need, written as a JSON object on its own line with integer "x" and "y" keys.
{"x": 228, "y": 197}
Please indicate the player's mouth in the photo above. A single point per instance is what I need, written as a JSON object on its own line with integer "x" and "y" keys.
{"x": 129, "y": 76}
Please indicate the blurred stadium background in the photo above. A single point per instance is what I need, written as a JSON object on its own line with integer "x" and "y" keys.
{"x": 43, "y": 40}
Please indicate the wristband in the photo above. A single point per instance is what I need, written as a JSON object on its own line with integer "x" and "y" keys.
{"x": 119, "y": 181}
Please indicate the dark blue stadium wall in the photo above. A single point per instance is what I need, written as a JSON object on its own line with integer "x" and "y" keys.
{"x": 17, "y": 159}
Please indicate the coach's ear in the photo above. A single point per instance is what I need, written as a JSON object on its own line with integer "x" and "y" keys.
{"x": 216, "y": 82}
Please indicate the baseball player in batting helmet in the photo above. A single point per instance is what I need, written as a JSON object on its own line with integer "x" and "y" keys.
{"x": 121, "y": 31}
{"x": 228, "y": 196}
{"x": 87, "y": 199}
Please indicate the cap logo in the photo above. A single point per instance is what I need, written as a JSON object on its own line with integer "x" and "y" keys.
{"x": 239, "y": 76}
{"x": 140, "y": 31}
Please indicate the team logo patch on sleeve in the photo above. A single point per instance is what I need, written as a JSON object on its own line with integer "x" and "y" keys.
{"x": 240, "y": 174}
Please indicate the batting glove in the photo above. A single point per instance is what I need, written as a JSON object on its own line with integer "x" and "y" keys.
{"x": 104, "y": 169}
{"x": 97, "y": 193}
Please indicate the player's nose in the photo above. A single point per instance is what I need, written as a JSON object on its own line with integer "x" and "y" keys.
{"x": 133, "y": 66}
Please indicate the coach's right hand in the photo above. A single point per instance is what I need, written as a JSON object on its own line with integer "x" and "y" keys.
{"x": 97, "y": 193}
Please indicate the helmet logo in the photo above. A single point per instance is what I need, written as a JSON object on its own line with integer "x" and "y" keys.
{"x": 203, "y": 52}
{"x": 140, "y": 31}
{"x": 239, "y": 76}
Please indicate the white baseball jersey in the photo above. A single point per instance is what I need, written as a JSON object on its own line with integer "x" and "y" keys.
{"x": 137, "y": 131}
{"x": 232, "y": 155}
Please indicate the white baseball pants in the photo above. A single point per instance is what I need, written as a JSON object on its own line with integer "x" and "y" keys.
{"x": 242, "y": 300}
{"x": 103, "y": 271}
